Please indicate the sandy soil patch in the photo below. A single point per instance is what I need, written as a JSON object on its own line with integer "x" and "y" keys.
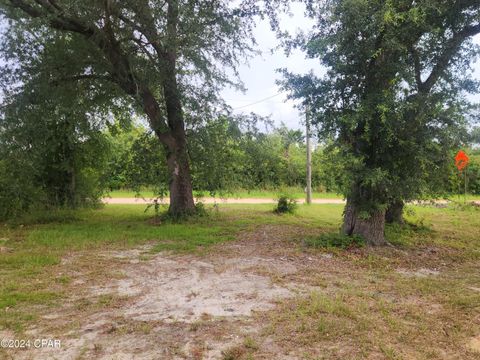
{"x": 421, "y": 273}
{"x": 185, "y": 289}
{"x": 474, "y": 344}
{"x": 263, "y": 295}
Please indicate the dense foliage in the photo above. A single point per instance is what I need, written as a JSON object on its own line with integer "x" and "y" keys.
{"x": 392, "y": 100}
{"x": 52, "y": 153}
{"x": 48, "y": 160}
{"x": 169, "y": 59}
{"x": 228, "y": 154}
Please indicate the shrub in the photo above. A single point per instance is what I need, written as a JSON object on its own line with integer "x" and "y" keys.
{"x": 18, "y": 194}
{"x": 200, "y": 211}
{"x": 286, "y": 205}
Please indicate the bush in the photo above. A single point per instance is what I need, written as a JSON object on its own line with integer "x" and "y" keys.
{"x": 45, "y": 216}
{"x": 286, "y": 205}
{"x": 473, "y": 174}
{"x": 18, "y": 194}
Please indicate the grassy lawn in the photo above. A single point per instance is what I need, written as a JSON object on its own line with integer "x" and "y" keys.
{"x": 366, "y": 302}
{"x": 461, "y": 198}
{"x": 296, "y": 193}
{"x": 33, "y": 248}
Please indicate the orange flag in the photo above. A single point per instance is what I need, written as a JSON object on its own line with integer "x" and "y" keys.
{"x": 461, "y": 160}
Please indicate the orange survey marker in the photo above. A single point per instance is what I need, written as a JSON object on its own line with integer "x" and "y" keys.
{"x": 461, "y": 160}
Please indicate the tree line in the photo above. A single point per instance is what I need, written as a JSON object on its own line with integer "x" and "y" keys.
{"x": 59, "y": 160}
{"x": 391, "y": 105}
{"x": 71, "y": 164}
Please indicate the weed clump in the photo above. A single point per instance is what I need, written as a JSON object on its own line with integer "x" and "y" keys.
{"x": 285, "y": 205}
{"x": 465, "y": 206}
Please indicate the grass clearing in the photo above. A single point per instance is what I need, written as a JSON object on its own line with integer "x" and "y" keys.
{"x": 296, "y": 193}
{"x": 293, "y": 192}
{"x": 416, "y": 299}
{"x": 34, "y": 249}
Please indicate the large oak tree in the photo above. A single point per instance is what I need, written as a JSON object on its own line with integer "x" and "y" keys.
{"x": 392, "y": 95}
{"x": 169, "y": 57}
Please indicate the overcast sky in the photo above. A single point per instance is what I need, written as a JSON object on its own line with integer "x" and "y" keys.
{"x": 259, "y": 76}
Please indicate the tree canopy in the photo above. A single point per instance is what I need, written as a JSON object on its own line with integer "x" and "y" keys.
{"x": 169, "y": 59}
{"x": 392, "y": 96}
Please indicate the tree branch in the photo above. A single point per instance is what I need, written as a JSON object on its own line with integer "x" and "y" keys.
{"x": 57, "y": 22}
{"x": 443, "y": 61}
{"x": 147, "y": 29}
{"x": 84, "y": 77}
{"x": 104, "y": 39}
{"x": 417, "y": 66}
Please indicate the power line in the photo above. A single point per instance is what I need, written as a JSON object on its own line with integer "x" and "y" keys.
{"x": 258, "y": 102}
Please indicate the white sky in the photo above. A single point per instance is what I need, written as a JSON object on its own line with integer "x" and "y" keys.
{"x": 259, "y": 76}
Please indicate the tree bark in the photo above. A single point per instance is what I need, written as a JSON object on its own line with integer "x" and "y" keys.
{"x": 174, "y": 140}
{"x": 394, "y": 213}
{"x": 72, "y": 188}
{"x": 181, "y": 191}
{"x": 372, "y": 229}
{"x": 181, "y": 194}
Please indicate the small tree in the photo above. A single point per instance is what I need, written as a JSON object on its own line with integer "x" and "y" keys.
{"x": 53, "y": 154}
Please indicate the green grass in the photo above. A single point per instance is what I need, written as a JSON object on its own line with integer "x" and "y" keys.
{"x": 124, "y": 193}
{"x": 296, "y": 193}
{"x": 36, "y": 244}
{"x": 462, "y": 198}
{"x": 121, "y": 226}
{"x": 31, "y": 264}
{"x": 372, "y": 303}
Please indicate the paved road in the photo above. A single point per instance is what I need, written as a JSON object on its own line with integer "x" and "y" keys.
{"x": 208, "y": 200}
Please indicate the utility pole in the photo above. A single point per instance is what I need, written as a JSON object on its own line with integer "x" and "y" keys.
{"x": 309, "y": 157}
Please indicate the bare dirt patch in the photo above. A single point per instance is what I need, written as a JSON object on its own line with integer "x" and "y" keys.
{"x": 474, "y": 344}
{"x": 422, "y": 272}
{"x": 184, "y": 288}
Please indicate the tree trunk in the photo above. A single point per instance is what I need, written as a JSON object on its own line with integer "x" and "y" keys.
{"x": 181, "y": 194}
{"x": 181, "y": 191}
{"x": 394, "y": 213}
{"x": 372, "y": 229}
{"x": 72, "y": 189}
